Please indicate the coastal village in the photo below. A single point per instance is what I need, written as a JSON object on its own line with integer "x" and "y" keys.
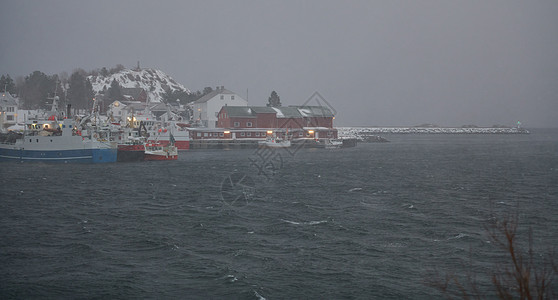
{"x": 139, "y": 125}
{"x": 136, "y": 126}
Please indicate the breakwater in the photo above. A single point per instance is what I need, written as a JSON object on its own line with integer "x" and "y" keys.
{"x": 365, "y": 131}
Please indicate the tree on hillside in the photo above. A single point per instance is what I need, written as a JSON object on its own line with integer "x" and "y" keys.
{"x": 7, "y": 84}
{"x": 114, "y": 92}
{"x": 118, "y": 68}
{"x": 36, "y": 88}
{"x": 104, "y": 72}
{"x": 274, "y": 100}
{"x": 182, "y": 96}
{"x": 80, "y": 92}
{"x": 207, "y": 90}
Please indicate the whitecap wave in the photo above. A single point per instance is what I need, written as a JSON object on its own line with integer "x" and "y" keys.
{"x": 459, "y": 236}
{"x": 304, "y": 223}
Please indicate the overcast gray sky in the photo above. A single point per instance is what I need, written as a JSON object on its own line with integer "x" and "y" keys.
{"x": 376, "y": 62}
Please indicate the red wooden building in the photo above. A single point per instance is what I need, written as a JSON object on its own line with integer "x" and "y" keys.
{"x": 289, "y": 117}
{"x": 258, "y": 122}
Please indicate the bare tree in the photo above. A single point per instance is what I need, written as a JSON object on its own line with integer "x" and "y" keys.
{"x": 522, "y": 276}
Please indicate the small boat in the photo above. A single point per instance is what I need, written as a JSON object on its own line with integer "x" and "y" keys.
{"x": 333, "y": 144}
{"x": 158, "y": 151}
{"x": 274, "y": 142}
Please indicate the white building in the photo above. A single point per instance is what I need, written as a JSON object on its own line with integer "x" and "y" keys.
{"x": 206, "y": 108}
{"x": 8, "y": 110}
{"x": 117, "y": 111}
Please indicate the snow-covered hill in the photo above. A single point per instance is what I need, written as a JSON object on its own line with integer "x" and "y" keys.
{"x": 154, "y": 82}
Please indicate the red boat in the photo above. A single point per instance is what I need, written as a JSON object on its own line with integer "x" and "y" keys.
{"x": 158, "y": 151}
{"x": 130, "y": 152}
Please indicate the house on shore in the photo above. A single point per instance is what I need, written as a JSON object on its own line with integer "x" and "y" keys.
{"x": 134, "y": 94}
{"x": 8, "y": 110}
{"x": 206, "y": 109}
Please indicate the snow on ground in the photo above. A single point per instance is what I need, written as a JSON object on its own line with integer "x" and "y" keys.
{"x": 153, "y": 81}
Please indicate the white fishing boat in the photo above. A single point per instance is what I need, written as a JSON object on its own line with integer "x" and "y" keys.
{"x": 274, "y": 142}
{"x": 333, "y": 144}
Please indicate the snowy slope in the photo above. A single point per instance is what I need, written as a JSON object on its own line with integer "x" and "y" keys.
{"x": 154, "y": 82}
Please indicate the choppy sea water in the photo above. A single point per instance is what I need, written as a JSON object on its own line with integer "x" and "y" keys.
{"x": 378, "y": 221}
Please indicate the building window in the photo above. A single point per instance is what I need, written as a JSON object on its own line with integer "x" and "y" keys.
{"x": 232, "y": 97}
{"x": 248, "y": 124}
{"x": 9, "y": 117}
{"x": 236, "y": 124}
{"x": 221, "y": 134}
{"x": 257, "y": 134}
{"x": 222, "y": 97}
{"x": 199, "y": 133}
{"x": 242, "y": 134}
{"x": 248, "y": 134}
{"x": 205, "y": 134}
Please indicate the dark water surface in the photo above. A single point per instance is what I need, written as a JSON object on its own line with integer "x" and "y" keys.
{"x": 371, "y": 222}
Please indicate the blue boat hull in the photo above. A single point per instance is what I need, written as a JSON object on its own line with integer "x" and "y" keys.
{"x": 65, "y": 156}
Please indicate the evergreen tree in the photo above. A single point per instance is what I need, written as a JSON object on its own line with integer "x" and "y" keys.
{"x": 89, "y": 93}
{"x": 207, "y": 90}
{"x": 274, "y": 100}
{"x": 182, "y": 96}
{"x": 77, "y": 93}
{"x": 7, "y": 84}
{"x": 104, "y": 72}
{"x": 36, "y": 88}
{"x": 114, "y": 92}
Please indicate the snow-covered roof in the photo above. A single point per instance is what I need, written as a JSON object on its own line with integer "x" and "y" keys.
{"x": 280, "y": 112}
{"x": 7, "y": 100}
{"x": 240, "y": 111}
{"x": 211, "y": 95}
{"x": 314, "y": 111}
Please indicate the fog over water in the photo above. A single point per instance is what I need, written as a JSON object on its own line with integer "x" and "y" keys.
{"x": 385, "y": 63}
